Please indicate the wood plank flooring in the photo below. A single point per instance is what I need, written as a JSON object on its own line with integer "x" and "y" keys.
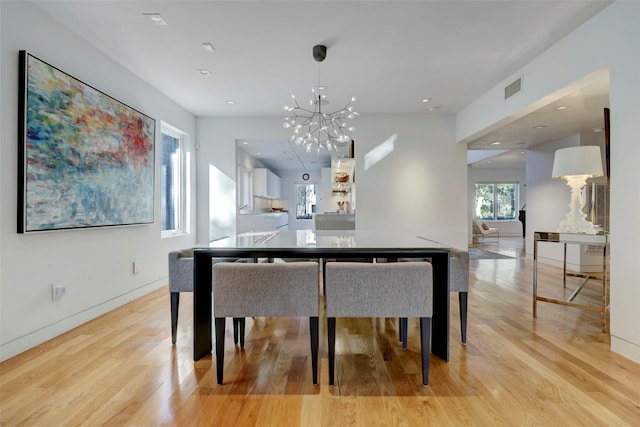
{"x": 121, "y": 369}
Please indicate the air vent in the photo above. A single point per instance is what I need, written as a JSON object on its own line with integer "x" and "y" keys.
{"x": 513, "y": 88}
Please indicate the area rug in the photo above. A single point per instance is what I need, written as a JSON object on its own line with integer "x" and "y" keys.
{"x": 475, "y": 253}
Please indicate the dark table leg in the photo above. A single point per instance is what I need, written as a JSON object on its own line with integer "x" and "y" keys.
{"x": 440, "y": 319}
{"x": 202, "y": 342}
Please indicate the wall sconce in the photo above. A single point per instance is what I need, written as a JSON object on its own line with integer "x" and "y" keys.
{"x": 576, "y": 165}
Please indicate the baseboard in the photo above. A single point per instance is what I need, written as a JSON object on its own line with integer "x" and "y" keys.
{"x": 625, "y": 348}
{"x": 30, "y": 340}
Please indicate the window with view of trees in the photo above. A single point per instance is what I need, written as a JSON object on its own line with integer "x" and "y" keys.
{"x": 497, "y": 201}
{"x": 305, "y": 200}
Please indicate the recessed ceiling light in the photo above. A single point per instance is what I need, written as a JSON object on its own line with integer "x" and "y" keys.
{"x": 425, "y": 100}
{"x": 245, "y": 143}
{"x": 539, "y": 127}
{"x": 203, "y": 71}
{"x": 562, "y": 107}
{"x": 258, "y": 153}
{"x": 322, "y": 88}
{"x": 496, "y": 143}
{"x": 208, "y": 47}
{"x": 231, "y": 102}
{"x": 155, "y": 18}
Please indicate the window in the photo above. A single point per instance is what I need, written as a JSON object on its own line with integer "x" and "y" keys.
{"x": 497, "y": 201}
{"x": 175, "y": 186}
{"x": 305, "y": 201}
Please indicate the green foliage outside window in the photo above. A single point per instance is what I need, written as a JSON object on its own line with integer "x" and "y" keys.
{"x": 496, "y": 201}
{"x": 305, "y": 200}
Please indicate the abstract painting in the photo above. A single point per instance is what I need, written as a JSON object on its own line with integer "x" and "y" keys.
{"x": 85, "y": 159}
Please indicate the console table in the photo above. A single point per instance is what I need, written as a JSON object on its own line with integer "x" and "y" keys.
{"x": 600, "y": 240}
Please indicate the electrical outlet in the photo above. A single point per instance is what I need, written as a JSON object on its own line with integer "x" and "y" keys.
{"x": 58, "y": 291}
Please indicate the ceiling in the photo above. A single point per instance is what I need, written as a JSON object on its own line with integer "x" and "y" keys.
{"x": 389, "y": 54}
{"x": 576, "y": 108}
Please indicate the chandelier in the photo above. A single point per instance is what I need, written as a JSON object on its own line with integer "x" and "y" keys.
{"x": 314, "y": 128}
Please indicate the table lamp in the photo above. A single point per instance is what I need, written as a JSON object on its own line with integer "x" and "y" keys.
{"x": 576, "y": 165}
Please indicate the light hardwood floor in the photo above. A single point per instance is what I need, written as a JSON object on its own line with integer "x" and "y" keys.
{"x": 121, "y": 368}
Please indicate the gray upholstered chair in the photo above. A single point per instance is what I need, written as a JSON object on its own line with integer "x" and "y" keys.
{"x": 458, "y": 282}
{"x": 399, "y": 289}
{"x": 181, "y": 280}
{"x": 265, "y": 290}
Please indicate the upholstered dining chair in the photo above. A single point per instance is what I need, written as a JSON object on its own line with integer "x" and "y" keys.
{"x": 181, "y": 280}
{"x": 265, "y": 290}
{"x": 458, "y": 282}
{"x": 397, "y": 289}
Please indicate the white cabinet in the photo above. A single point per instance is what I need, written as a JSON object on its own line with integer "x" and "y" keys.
{"x": 266, "y": 183}
{"x": 326, "y": 202}
{"x": 263, "y": 222}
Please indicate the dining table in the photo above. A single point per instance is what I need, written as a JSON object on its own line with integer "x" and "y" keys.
{"x": 325, "y": 244}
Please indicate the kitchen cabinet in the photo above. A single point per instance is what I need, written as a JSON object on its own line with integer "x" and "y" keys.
{"x": 262, "y": 222}
{"x": 266, "y": 183}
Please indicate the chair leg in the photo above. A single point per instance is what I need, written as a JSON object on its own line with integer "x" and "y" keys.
{"x": 315, "y": 343}
{"x": 404, "y": 330}
{"x": 241, "y": 324}
{"x": 425, "y": 340}
{"x": 238, "y": 331}
{"x": 175, "y": 302}
{"x": 220, "y": 325}
{"x": 331, "y": 334}
{"x": 462, "y": 298}
{"x": 235, "y": 321}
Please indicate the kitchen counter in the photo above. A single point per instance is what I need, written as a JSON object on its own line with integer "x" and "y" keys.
{"x": 334, "y": 221}
{"x": 262, "y": 221}
{"x": 262, "y": 212}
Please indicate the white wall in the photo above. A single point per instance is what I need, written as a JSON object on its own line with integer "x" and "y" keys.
{"x": 419, "y": 188}
{"x": 217, "y": 146}
{"x": 94, "y": 264}
{"x": 608, "y": 39}
{"x": 488, "y": 175}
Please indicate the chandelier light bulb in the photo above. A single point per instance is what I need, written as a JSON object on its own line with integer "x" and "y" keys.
{"x": 316, "y": 129}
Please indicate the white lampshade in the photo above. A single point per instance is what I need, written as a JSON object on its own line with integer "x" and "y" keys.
{"x": 583, "y": 160}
